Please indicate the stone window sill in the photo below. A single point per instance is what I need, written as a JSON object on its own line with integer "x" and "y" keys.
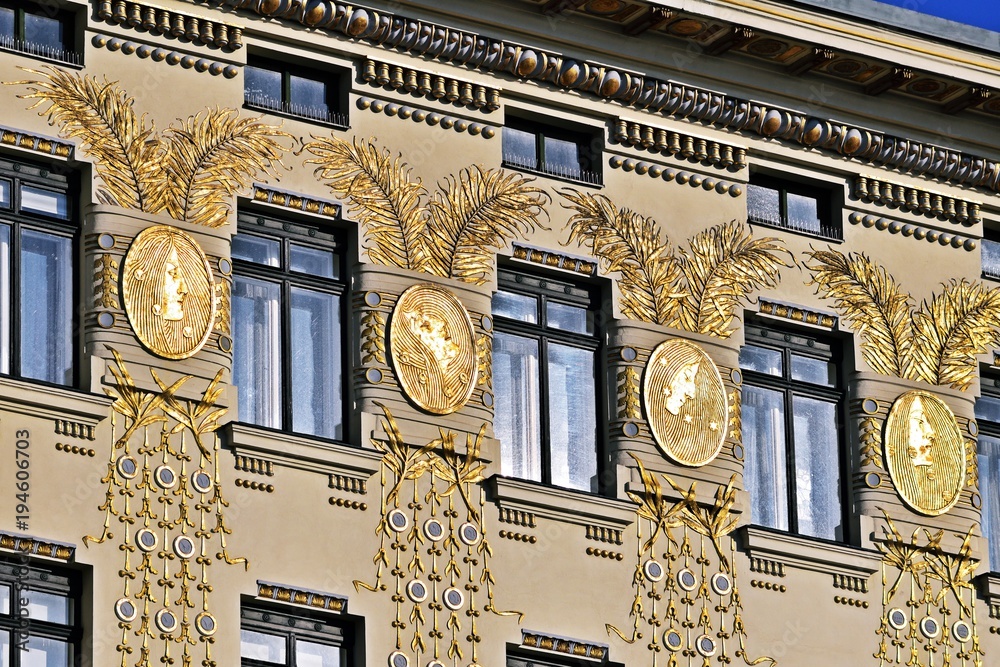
{"x": 52, "y": 402}
{"x": 803, "y": 553}
{"x": 302, "y": 452}
{"x": 558, "y": 504}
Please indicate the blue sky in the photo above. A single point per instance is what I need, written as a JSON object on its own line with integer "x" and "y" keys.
{"x": 981, "y": 13}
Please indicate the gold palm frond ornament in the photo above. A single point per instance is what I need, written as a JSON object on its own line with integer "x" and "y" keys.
{"x": 189, "y": 172}
{"x": 452, "y": 234}
{"x": 936, "y": 342}
{"x": 696, "y": 289}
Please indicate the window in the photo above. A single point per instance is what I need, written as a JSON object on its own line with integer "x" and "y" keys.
{"x": 36, "y": 274}
{"x": 553, "y": 151}
{"x": 47, "y": 599}
{"x": 545, "y": 353}
{"x": 789, "y": 205}
{"x": 287, "y": 308}
{"x": 38, "y": 30}
{"x": 792, "y": 403}
{"x": 991, "y": 254}
{"x": 988, "y": 450}
{"x": 270, "y": 85}
{"x": 272, "y": 636}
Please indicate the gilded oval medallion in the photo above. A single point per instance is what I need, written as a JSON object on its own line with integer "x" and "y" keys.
{"x": 433, "y": 348}
{"x": 925, "y": 453}
{"x": 685, "y": 402}
{"x": 168, "y": 290}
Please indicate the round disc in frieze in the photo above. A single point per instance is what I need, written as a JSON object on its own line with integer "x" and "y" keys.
{"x": 432, "y": 346}
{"x": 685, "y": 402}
{"x": 169, "y": 292}
{"x": 925, "y": 453}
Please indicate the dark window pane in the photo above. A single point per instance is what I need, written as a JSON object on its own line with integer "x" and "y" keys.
{"x": 44, "y": 32}
{"x": 45, "y": 652}
{"x": 764, "y": 204}
{"x": 989, "y": 489}
{"x": 46, "y": 202}
{"x": 515, "y": 306}
{"x": 6, "y": 25}
{"x": 313, "y": 261}
{"x": 817, "y": 467}
{"x": 803, "y": 212}
{"x": 256, "y": 369}
{"x": 260, "y": 646}
{"x": 765, "y": 476}
{"x": 569, "y": 318}
{"x": 517, "y": 421}
{"x": 988, "y": 408}
{"x": 5, "y": 187}
{"x": 520, "y": 148}
{"x": 308, "y": 97}
{"x": 46, "y": 307}
{"x": 572, "y": 417}
{"x": 562, "y": 157}
{"x": 5, "y": 298}
{"x": 311, "y": 654}
{"x": 262, "y": 86}
{"x": 991, "y": 258}
{"x": 316, "y": 363}
{"x": 761, "y": 360}
{"x": 814, "y": 371}
{"x": 256, "y": 249}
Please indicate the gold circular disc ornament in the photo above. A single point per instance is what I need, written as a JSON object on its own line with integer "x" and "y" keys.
{"x": 685, "y": 402}
{"x": 169, "y": 292}
{"x": 925, "y": 453}
{"x": 433, "y": 348}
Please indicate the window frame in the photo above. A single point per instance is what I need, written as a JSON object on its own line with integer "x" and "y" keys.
{"x": 68, "y": 55}
{"x": 782, "y": 339}
{"x": 19, "y": 173}
{"x": 830, "y": 226}
{"x": 338, "y": 115}
{"x": 590, "y": 174}
{"x": 991, "y": 236}
{"x": 349, "y": 630}
{"x": 989, "y": 383}
{"x": 286, "y": 232}
{"x": 22, "y": 573}
{"x": 512, "y": 280}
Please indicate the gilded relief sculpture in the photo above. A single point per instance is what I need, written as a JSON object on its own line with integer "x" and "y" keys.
{"x": 452, "y": 234}
{"x": 697, "y": 289}
{"x": 189, "y": 172}
{"x": 685, "y": 402}
{"x": 687, "y": 609}
{"x": 936, "y": 343}
{"x": 169, "y": 292}
{"x": 434, "y": 553}
{"x": 433, "y": 348}
{"x": 165, "y": 497}
{"x": 928, "y": 601}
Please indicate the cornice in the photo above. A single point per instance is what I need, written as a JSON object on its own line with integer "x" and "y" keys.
{"x": 677, "y": 144}
{"x": 301, "y": 596}
{"x": 36, "y": 143}
{"x": 36, "y": 547}
{"x": 917, "y": 201}
{"x": 432, "y": 86}
{"x": 167, "y": 22}
{"x": 575, "y": 647}
{"x": 631, "y": 89}
{"x": 266, "y": 194}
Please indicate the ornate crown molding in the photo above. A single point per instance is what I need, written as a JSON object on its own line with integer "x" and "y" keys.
{"x": 295, "y": 201}
{"x": 632, "y": 89}
{"x": 577, "y": 647}
{"x": 37, "y": 547}
{"x": 554, "y": 260}
{"x": 301, "y": 596}
{"x": 797, "y": 314}
{"x": 167, "y": 22}
{"x": 444, "y": 89}
{"x": 35, "y": 142}
{"x": 677, "y": 144}
{"x": 917, "y": 201}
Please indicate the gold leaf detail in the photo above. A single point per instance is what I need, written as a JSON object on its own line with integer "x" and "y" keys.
{"x": 373, "y": 333}
{"x": 871, "y": 443}
{"x": 484, "y": 352}
{"x": 105, "y": 275}
{"x": 628, "y": 393}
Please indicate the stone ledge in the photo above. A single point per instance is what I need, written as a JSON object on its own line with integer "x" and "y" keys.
{"x": 52, "y": 402}
{"x": 803, "y": 553}
{"x": 564, "y": 505}
{"x": 302, "y": 452}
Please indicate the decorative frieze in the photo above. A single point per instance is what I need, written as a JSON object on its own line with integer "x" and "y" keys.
{"x": 349, "y": 483}
{"x": 74, "y": 449}
{"x": 577, "y": 647}
{"x": 914, "y": 231}
{"x": 915, "y": 200}
{"x": 668, "y": 174}
{"x": 253, "y": 465}
{"x": 349, "y": 504}
{"x": 254, "y": 486}
{"x": 35, "y": 142}
{"x": 418, "y": 115}
{"x": 37, "y": 547}
{"x": 554, "y": 260}
{"x": 850, "y": 583}
{"x": 166, "y": 22}
{"x": 672, "y": 99}
{"x": 605, "y": 534}
{"x": 301, "y": 596}
{"x": 157, "y": 54}
{"x": 74, "y": 429}
{"x": 295, "y": 201}
{"x": 679, "y": 145}
{"x": 517, "y": 537}
{"x": 767, "y": 566}
{"x": 517, "y": 517}
{"x": 797, "y": 314}
{"x": 850, "y": 602}
{"x": 431, "y": 86}
{"x": 605, "y": 553}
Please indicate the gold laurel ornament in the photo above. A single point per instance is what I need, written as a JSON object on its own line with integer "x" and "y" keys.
{"x": 433, "y": 349}
{"x": 168, "y": 290}
{"x": 925, "y": 453}
{"x": 685, "y": 402}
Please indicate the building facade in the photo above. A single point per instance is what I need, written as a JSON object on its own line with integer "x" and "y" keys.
{"x": 518, "y": 332}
